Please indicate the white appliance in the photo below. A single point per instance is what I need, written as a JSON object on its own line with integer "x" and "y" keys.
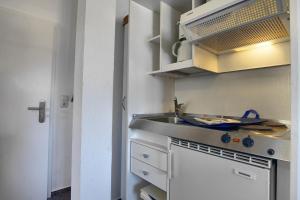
{"x": 201, "y": 172}
{"x": 221, "y": 25}
{"x": 182, "y": 50}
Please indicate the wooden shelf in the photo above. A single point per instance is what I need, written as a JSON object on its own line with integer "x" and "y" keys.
{"x": 155, "y": 39}
{"x": 180, "y": 70}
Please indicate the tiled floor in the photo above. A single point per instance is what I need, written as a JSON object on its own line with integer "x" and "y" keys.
{"x": 61, "y": 195}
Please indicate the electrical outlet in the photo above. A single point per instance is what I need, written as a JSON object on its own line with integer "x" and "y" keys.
{"x": 64, "y": 101}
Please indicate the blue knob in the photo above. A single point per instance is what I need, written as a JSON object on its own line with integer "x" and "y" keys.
{"x": 248, "y": 142}
{"x": 226, "y": 138}
{"x": 271, "y": 152}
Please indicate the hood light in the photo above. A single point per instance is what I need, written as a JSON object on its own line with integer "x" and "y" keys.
{"x": 255, "y": 46}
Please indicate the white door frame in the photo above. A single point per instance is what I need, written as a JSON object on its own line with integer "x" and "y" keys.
{"x": 52, "y": 109}
{"x": 295, "y": 83}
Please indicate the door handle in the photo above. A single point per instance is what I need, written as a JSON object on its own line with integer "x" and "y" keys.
{"x": 170, "y": 165}
{"x": 42, "y": 111}
{"x": 145, "y": 173}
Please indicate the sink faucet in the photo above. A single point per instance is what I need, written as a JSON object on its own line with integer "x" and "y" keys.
{"x": 178, "y": 107}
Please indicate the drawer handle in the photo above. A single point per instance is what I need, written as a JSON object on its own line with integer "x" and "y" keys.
{"x": 244, "y": 174}
{"x": 145, "y": 173}
{"x": 145, "y": 156}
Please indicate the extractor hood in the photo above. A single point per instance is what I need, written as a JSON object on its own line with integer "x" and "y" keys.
{"x": 224, "y": 25}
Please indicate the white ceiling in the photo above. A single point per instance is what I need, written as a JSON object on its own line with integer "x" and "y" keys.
{"x": 47, "y": 9}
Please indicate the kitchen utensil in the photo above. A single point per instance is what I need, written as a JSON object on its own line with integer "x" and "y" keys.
{"x": 225, "y": 123}
{"x": 182, "y": 50}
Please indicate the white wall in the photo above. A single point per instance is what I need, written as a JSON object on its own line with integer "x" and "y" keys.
{"x": 64, "y": 80}
{"x": 265, "y": 90}
{"x": 47, "y": 9}
{"x": 63, "y": 14}
{"x": 92, "y": 139}
{"x": 295, "y": 46}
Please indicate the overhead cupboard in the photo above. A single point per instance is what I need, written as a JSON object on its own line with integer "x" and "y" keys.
{"x": 249, "y": 35}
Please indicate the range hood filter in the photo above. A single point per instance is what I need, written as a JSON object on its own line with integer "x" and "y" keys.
{"x": 243, "y": 24}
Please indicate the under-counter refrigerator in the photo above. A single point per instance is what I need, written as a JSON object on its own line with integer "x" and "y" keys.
{"x": 197, "y": 175}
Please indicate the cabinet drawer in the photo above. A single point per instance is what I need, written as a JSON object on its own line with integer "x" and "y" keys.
{"x": 149, "y": 173}
{"x": 150, "y": 156}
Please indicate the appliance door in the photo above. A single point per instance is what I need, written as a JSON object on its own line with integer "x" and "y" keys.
{"x": 200, "y": 176}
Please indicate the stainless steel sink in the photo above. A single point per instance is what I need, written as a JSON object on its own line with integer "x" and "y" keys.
{"x": 171, "y": 120}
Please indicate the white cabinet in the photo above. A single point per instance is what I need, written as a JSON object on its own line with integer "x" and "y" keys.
{"x": 165, "y": 33}
{"x": 150, "y": 163}
{"x": 150, "y": 156}
{"x": 145, "y": 94}
{"x": 151, "y": 174}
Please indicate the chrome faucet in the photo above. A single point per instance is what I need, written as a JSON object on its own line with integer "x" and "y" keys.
{"x": 178, "y": 107}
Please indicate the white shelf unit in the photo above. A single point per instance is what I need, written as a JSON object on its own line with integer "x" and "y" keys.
{"x": 149, "y": 45}
{"x": 165, "y": 34}
{"x": 145, "y": 94}
{"x": 197, "y": 3}
{"x": 180, "y": 70}
{"x": 169, "y": 32}
{"x": 205, "y": 62}
{"x": 168, "y": 35}
{"x": 155, "y": 39}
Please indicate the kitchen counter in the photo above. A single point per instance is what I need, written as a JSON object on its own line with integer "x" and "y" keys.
{"x": 273, "y": 144}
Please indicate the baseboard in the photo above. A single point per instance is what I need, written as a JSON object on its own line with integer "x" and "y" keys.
{"x": 61, "y": 191}
{"x": 69, "y": 189}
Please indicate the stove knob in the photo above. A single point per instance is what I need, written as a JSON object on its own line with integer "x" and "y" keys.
{"x": 271, "y": 152}
{"x": 248, "y": 142}
{"x": 226, "y": 138}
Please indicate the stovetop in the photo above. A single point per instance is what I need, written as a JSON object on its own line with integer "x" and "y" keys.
{"x": 270, "y": 139}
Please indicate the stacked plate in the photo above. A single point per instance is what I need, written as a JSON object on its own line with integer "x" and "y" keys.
{"x": 151, "y": 192}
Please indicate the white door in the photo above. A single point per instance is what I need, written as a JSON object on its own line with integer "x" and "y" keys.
{"x": 26, "y": 49}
